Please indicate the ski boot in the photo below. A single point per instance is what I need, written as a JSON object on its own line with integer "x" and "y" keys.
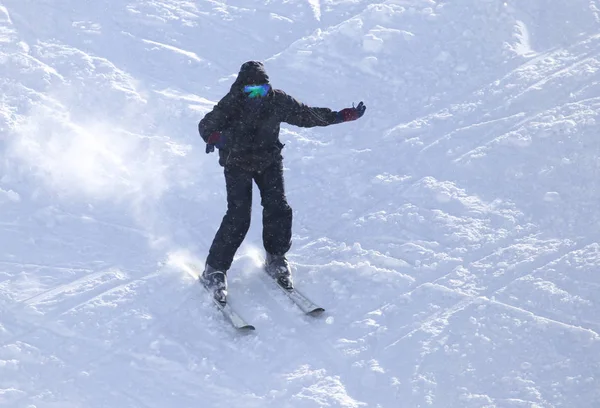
{"x": 215, "y": 281}
{"x": 278, "y": 267}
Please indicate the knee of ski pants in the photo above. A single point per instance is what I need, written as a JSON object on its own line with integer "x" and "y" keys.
{"x": 241, "y": 210}
{"x": 278, "y": 209}
{"x": 277, "y": 204}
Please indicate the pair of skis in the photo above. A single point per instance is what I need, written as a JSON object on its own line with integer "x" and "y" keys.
{"x": 298, "y": 298}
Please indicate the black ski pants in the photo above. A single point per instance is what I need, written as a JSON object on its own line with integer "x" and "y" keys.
{"x": 277, "y": 214}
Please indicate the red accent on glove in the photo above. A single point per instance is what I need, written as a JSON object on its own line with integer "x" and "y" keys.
{"x": 349, "y": 114}
{"x": 214, "y": 138}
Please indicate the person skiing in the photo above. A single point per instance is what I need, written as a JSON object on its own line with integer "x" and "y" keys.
{"x": 244, "y": 126}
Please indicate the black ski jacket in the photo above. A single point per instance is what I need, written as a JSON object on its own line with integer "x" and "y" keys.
{"x": 251, "y": 126}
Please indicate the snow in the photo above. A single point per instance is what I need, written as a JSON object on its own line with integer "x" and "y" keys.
{"x": 450, "y": 233}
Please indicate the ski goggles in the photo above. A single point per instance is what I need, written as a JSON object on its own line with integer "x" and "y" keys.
{"x": 257, "y": 91}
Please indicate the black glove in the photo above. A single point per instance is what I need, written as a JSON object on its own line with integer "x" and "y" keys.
{"x": 353, "y": 113}
{"x": 216, "y": 139}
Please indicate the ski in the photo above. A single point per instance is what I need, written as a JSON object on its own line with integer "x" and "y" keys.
{"x": 229, "y": 312}
{"x": 298, "y": 298}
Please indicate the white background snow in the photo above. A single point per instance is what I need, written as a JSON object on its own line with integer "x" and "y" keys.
{"x": 451, "y": 233}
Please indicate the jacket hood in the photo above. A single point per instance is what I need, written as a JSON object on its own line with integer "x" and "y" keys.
{"x": 251, "y": 73}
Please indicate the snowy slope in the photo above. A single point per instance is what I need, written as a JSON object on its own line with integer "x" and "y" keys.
{"x": 451, "y": 233}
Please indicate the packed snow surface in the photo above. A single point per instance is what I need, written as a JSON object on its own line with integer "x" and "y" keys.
{"x": 451, "y": 233}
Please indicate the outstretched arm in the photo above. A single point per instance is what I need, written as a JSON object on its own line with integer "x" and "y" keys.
{"x": 298, "y": 114}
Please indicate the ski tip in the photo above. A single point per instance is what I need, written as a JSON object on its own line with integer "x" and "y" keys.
{"x": 246, "y": 328}
{"x": 316, "y": 312}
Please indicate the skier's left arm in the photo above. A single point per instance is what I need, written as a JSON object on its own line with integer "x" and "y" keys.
{"x": 298, "y": 114}
{"x": 215, "y": 122}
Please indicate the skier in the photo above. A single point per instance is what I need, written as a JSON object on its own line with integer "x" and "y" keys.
{"x": 244, "y": 126}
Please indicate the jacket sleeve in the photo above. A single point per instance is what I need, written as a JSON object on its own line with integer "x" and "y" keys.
{"x": 298, "y": 114}
{"x": 218, "y": 119}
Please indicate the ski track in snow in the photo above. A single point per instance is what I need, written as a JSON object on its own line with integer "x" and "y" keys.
{"x": 450, "y": 233}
